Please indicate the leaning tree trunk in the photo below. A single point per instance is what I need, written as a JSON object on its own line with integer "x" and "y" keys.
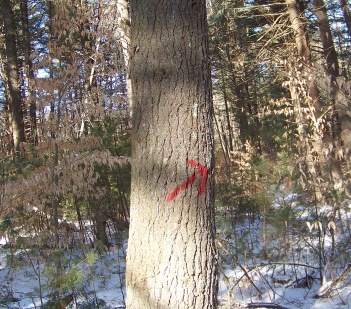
{"x": 171, "y": 260}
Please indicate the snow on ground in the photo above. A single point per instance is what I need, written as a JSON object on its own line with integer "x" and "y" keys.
{"x": 291, "y": 283}
{"x": 105, "y": 280}
{"x": 282, "y": 294}
{"x": 101, "y": 280}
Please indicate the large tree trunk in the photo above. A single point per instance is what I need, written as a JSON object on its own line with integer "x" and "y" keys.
{"x": 295, "y": 10}
{"x": 171, "y": 261}
{"x": 308, "y": 127}
{"x": 341, "y": 121}
{"x": 14, "y": 92}
{"x": 347, "y": 15}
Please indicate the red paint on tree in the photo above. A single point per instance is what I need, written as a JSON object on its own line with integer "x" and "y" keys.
{"x": 201, "y": 170}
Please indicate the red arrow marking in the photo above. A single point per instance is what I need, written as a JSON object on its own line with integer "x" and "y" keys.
{"x": 201, "y": 170}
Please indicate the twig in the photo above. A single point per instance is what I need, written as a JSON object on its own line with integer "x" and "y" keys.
{"x": 288, "y": 264}
{"x": 242, "y": 268}
{"x": 265, "y": 305}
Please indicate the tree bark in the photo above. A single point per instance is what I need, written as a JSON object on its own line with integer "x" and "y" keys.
{"x": 171, "y": 260}
{"x": 32, "y": 135}
{"x": 347, "y": 16}
{"x": 90, "y": 44}
{"x": 296, "y": 9}
{"x": 341, "y": 121}
{"x": 308, "y": 129}
{"x": 124, "y": 28}
{"x": 14, "y": 92}
{"x": 239, "y": 103}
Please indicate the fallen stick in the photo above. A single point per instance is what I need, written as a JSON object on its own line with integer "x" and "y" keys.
{"x": 242, "y": 268}
{"x": 265, "y": 305}
{"x": 326, "y": 292}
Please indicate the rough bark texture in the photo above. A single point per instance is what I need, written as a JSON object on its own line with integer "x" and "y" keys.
{"x": 341, "y": 123}
{"x": 31, "y": 130}
{"x": 14, "y": 94}
{"x": 347, "y": 16}
{"x": 306, "y": 131}
{"x": 296, "y": 9}
{"x": 124, "y": 29}
{"x": 171, "y": 260}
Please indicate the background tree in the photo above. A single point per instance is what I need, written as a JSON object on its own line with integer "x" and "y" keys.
{"x": 72, "y": 91}
{"x": 270, "y": 69}
{"x": 13, "y": 93}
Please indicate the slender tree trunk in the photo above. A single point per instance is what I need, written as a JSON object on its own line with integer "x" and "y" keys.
{"x": 347, "y": 16}
{"x": 227, "y": 114}
{"x": 171, "y": 260}
{"x": 100, "y": 226}
{"x": 240, "y": 104}
{"x": 89, "y": 47}
{"x": 124, "y": 27}
{"x": 54, "y": 153}
{"x": 14, "y": 92}
{"x": 124, "y": 211}
{"x": 54, "y": 198}
{"x": 264, "y": 232}
{"x": 79, "y": 218}
{"x": 253, "y": 112}
{"x": 31, "y": 99}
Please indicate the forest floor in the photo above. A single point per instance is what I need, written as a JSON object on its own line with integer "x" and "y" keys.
{"x": 246, "y": 280}
{"x": 289, "y": 283}
{"x": 301, "y": 246}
